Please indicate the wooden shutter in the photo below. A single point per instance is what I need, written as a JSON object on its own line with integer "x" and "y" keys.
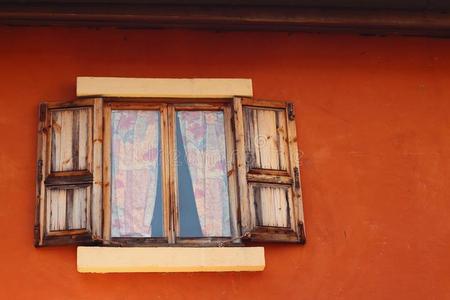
{"x": 268, "y": 171}
{"x": 69, "y": 173}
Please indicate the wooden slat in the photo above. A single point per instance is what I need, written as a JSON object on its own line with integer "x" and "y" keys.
{"x": 269, "y": 178}
{"x": 70, "y": 139}
{"x": 57, "y": 210}
{"x": 247, "y": 222}
{"x": 166, "y": 149}
{"x": 66, "y": 140}
{"x": 70, "y": 210}
{"x": 171, "y": 176}
{"x": 263, "y": 103}
{"x": 88, "y": 209}
{"x": 297, "y": 191}
{"x": 83, "y": 128}
{"x": 56, "y": 142}
{"x": 232, "y": 173}
{"x": 96, "y": 200}
{"x": 68, "y": 178}
{"x": 265, "y": 136}
{"x": 107, "y": 173}
{"x": 42, "y": 165}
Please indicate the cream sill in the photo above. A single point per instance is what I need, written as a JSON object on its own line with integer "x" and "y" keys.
{"x": 169, "y": 259}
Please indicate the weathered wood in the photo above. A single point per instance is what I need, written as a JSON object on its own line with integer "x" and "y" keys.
{"x": 68, "y": 178}
{"x": 269, "y": 178}
{"x": 247, "y": 223}
{"x": 272, "y": 205}
{"x": 199, "y": 106}
{"x": 232, "y": 173}
{"x": 297, "y": 190}
{"x": 273, "y": 208}
{"x": 263, "y": 103}
{"x": 166, "y": 149}
{"x": 172, "y": 175}
{"x": 133, "y": 105}
{"x": 265, "y": 137}
{"x": 107, "y": 126}
{"x": 70, "y": 210}
{"x": 39, "y": 220}
{"x": 69, "y": 139}
{"x": 66, "y": 209}
{"x": 97, "y": 169}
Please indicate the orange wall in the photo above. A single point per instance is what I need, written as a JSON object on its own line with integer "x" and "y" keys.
{"x": 374, "y": 122}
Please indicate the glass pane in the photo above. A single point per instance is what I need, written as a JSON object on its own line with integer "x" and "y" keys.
{"x": 136, "y": 197}
{"x": 202, "y": 176}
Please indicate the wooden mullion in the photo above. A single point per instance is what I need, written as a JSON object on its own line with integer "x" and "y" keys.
{"x": 166, "y": 173}
{"x": 107, "y": 173}
{"x": 97, "y": 169}
{"x": 172, "y": 178}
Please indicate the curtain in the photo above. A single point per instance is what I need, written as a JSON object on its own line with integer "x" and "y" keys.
{"x": 202, "y": 157}
{"x": 135, "y": 161}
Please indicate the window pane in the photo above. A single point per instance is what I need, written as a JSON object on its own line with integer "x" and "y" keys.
{"x": 136, "y": 197}
{"x": 202, "y": 177}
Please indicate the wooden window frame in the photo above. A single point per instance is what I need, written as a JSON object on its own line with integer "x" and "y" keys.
{"x": 168, "y": 108}
{"x": 98, "y": 175}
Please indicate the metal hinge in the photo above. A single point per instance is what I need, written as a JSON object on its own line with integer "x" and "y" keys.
{"x": 296, "y": 178}
{"x": 291, "y": 111}
{"x": 36, "y": 235}
{"x": 39, "y": 170}
{"x": 42, "y": 112}
{"x": 301, "y": 233}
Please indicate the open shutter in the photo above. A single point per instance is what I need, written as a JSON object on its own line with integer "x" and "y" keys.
{"x": 268, "y": 171}
{"x": 69, "y": 173}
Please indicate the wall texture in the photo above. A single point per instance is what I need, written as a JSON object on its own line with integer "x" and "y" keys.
{"x": 374, "y": 122}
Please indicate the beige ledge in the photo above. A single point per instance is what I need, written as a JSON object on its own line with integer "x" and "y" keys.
{"x": 164, "y": 87}
{"x": 169, "y": 259}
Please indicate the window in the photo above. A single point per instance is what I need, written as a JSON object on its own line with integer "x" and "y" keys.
{"x": 167, "y": 171}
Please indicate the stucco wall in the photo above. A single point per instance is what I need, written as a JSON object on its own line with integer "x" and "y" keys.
{"x": 374, "y": 123}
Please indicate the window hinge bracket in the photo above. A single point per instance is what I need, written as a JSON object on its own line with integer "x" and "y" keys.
{"x": 296, "y": 178}
{"x": 301, "y": 233}
{"x": 39, "y": 170}
{"x": 42, "y": 112}
{"x": 291, "y": 111}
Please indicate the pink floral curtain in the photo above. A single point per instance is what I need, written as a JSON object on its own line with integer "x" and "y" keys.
{"x": 135, "y": 163}
{"x": 203, "y": 138}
